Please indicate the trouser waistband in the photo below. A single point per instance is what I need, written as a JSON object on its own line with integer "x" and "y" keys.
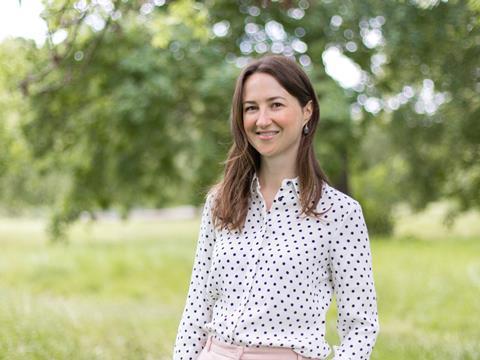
{"x": 251, "y": 353}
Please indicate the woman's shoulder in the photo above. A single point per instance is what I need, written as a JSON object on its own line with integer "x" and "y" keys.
{"x": 335, "y": 199}
{"x": 211, "y": 194}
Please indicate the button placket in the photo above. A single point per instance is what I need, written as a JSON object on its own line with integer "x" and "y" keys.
{"x": 267, "y": 216}
{"x": 250, "y": 277}
{"x": 255, "y": 258}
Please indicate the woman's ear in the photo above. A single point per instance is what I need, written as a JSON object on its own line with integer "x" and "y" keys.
{"x": 308, "y": 111}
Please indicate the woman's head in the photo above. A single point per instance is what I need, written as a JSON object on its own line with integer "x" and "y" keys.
{"x": 255, "y": 110}
{"x": 273, "y": 119}
{"x": 252, "y": 111}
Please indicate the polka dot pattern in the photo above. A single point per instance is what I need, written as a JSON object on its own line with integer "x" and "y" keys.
{"x": 272, "y": 283}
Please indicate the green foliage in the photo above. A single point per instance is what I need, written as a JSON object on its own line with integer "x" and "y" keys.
{"x": 184, "y": 20}
{"x": 440, "y": 148}
{"x": 129, "y": 127}
{"x": 22, "y": 181}
{"x": 377, "y": 179}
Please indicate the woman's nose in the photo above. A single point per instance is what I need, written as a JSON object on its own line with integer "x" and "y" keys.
{"x": 263, "y": 118}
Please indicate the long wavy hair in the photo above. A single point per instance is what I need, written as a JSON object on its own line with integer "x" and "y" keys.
{"x": 233, "y": 191}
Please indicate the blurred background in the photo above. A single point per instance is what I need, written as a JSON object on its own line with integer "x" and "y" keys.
{"x": 114, "y": 120}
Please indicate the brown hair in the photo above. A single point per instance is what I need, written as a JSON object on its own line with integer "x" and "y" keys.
{"x": 233, "y": 191}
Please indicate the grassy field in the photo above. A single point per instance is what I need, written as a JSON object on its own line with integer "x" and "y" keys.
{"x": 116, "y": 291}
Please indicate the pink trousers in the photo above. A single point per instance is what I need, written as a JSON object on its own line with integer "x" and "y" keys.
{"x": 217, "y": 350}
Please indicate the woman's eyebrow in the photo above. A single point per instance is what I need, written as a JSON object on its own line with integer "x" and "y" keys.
{"x": 269, "y": 99}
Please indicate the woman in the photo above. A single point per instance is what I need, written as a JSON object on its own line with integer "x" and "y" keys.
{"x": 276, "y": 240}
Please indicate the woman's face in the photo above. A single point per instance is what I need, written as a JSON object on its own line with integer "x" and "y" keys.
{"x": 272, "y": 118}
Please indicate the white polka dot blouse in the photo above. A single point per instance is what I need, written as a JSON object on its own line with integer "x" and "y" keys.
{"x": 272, "y": 284}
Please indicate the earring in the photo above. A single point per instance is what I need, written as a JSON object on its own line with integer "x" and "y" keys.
{"x": 305, "y": 129}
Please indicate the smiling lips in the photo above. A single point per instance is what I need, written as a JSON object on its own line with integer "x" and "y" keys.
{"x": 267, "y": 135}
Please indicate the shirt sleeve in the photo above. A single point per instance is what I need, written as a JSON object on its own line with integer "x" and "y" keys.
{"x": 350, "y": 257}
{"x": 191, "y": 338}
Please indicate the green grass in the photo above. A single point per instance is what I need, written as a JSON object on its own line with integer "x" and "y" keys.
{"x": 116, "y": 291}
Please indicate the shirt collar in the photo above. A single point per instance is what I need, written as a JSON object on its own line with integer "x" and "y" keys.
{"x": 287, "y": 182}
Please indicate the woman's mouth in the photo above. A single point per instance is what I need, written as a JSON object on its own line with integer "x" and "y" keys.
{"x": 267, "y": 135}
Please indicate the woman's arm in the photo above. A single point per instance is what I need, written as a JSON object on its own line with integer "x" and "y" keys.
{"x": 351, "y": 262}
{"x": 191, "y": 338}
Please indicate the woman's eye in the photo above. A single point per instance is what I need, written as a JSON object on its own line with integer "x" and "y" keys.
{"x": 248, "y": 107}
{"x": 277, "y": 104}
